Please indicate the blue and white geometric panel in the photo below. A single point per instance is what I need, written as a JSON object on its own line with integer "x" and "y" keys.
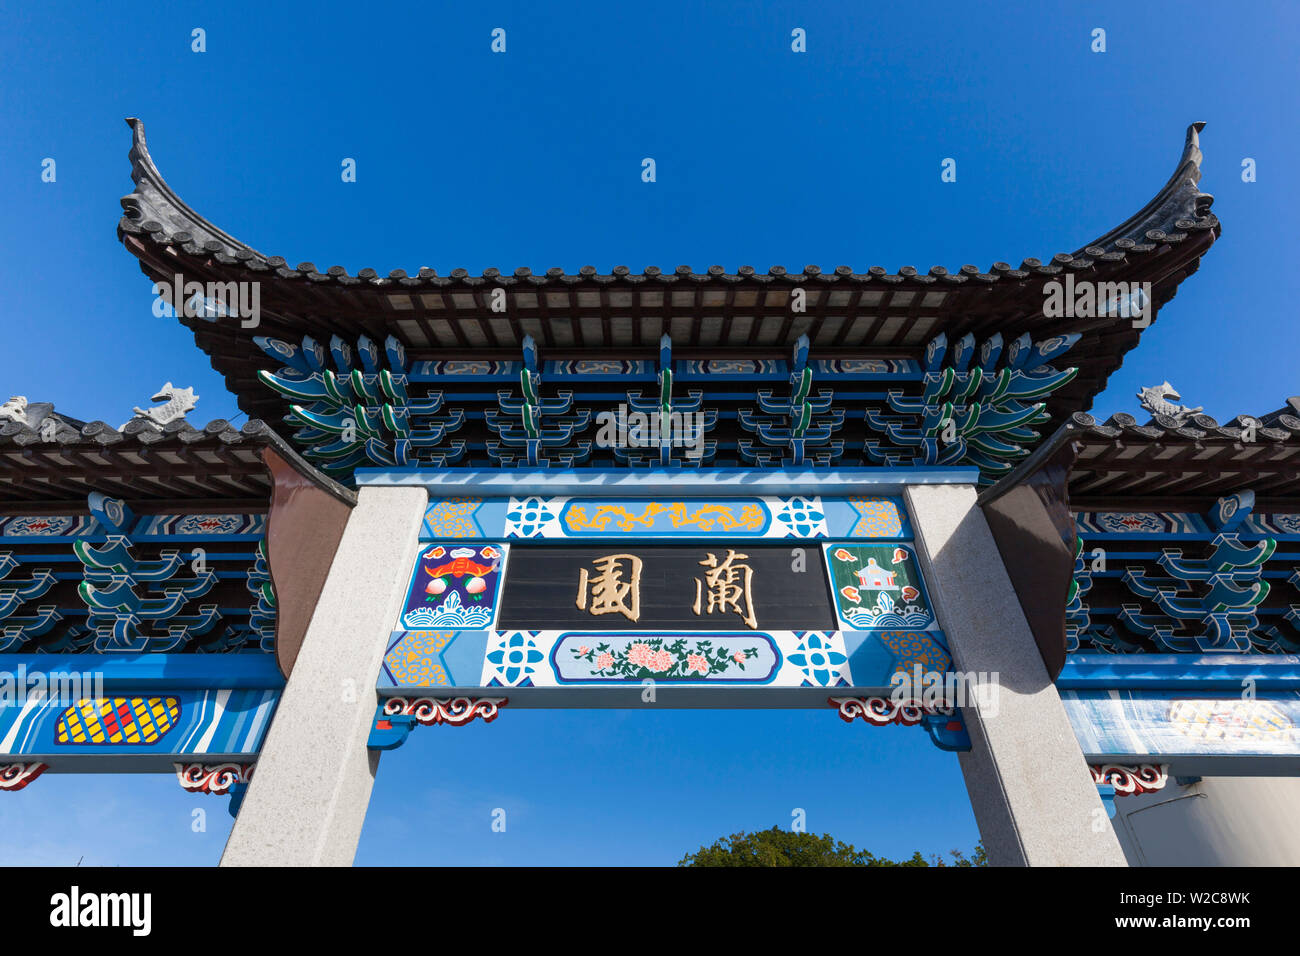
{"x": 607, "y": 517}
{"x": 593, "y": 659}
{"x": 534, "y": 517}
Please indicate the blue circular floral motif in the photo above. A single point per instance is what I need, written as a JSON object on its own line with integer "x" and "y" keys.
{"x": 528, "y": 516}
{"x": 801, "y": 516}
{"x": 516, "y": 659}
{"x": 818, "y": 660}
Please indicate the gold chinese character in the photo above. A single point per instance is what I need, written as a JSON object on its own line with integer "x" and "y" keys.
{"x": 608, "y": 591}
{"x": 729, "y": 587}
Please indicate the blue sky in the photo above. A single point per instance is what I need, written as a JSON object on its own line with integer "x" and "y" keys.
{"x": 532, "y": 158}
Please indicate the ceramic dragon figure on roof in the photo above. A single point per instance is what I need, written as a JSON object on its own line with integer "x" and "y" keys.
{"x": 19, "y": 410}
{"x": 1159, "y": 401}
{"x": 15, "y": 410}
{"x": 176, "y": 404}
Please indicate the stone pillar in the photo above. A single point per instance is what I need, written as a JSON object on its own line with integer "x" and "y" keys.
{"x": 308, "y": 796}
{"x": 1032, "y": 794}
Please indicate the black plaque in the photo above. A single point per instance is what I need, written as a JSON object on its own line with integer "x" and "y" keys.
{"x": 654, "y": 588}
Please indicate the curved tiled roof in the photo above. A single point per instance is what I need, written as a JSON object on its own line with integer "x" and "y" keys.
{"x": 154, "y": 211}
{"x": 1278, "y": 427}
{"x": 138, "y": 430}
{"x": 1121, "y": 464}
{"x": 714, "y": 313}
{"x": 1199, "y": 458}
{"x": 209, "y": 465}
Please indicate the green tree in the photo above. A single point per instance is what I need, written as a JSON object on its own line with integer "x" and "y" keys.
{"x": 977, "y": 858}
{"x": 777, "y": 847}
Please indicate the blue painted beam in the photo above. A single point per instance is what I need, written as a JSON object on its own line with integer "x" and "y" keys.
{"x": 1175, "y": 537}
{"x": 1180, "y": 672}
{"x": 610, "y": 481}
{"x": 142, "y": 672}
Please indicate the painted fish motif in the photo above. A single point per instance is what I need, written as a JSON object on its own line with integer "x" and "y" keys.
{"x": 910, "y": 593}
{"x": 852, "y": 593}
{"x": 900, "y": 555}
{"x": 458, "y": 568}
{"x": 844, "y": 555}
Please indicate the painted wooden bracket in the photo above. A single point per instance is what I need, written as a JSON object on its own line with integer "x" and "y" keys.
{"x": 947, "y": 731}
{"x": 1129, "y": 779}
{"x": 389, "y": 731}
{"x": 15, "y": 776}
{"x": 1107, "y": 793}
{"x": 946, "y": 728}
{"x": 396, "y": 717}
{"x": 218, "y": 779}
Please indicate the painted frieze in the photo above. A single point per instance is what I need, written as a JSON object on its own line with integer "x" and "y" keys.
{"x": 1147, "y": 723}
{"x": 593, "y": 659}
{"x": 228, "y": 721}
{"x": 454, "y": 585}
{"x": 685, "y": 657}
{"x": 878, "y": 586}
{"x": 609, "y": 592}
{"x": 611, "y": 517}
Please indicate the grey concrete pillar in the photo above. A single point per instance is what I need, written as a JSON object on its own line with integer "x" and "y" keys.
{"x": 308, "y": 796}
{"x": 1032, "y": 794}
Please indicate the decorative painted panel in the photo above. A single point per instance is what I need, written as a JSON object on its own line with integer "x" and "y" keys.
{"x": 874, "y": 369}
{"x": 45, "y": 526}
{"x": 202, "y": 525}
{"x": 192, "y": 722}
{"x": 1100, "y": 524}
{"x": 878, "y": 585}
{"x": 454, "y": 585}
{"x": 1094, "y": 523}
{"x": 612, "y": 517}
{"x": 117, "y": 720}
{"x": 705, "y": 370}
{"x": 592, "y": 517}
{"x": 453, "y": 518}
{"x": 1122, "y": 723}
{"x": 1275, "y": 525}
{"x": 593, "y": 657}
{"x": 708, "y": 594}
{"x": 589, "y": 659}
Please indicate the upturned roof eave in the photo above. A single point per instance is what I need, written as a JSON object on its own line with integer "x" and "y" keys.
{"x": 156, "y": 214}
